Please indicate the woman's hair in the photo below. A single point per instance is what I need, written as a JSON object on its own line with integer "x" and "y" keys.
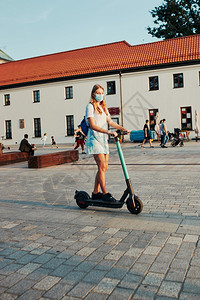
{"x": 94, "y": 102}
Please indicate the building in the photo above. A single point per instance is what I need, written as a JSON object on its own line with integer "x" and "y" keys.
{"x": 4, "y": 57}
{"x": 49, "y": 93}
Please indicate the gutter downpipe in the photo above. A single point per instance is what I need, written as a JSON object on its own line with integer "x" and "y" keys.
{"x": 121, "y": 101}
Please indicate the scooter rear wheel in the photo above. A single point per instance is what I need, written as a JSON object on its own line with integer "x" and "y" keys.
{"x": 138, "y": 205}
{"x": 80, "y": 197}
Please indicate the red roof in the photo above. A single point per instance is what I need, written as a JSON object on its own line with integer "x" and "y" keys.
{"x": 108, "y": 57}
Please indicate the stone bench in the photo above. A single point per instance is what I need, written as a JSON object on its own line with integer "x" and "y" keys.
{"x": 13, "y": 157}
{"x": 52, "y": 159}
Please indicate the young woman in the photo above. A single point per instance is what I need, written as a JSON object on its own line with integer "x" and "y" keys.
{"x": 98, "y": 118}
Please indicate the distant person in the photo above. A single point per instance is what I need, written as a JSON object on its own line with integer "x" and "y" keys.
{"x": 26, "y": 147}
{"x": 160, "y": 133}
{"x": 80, "y": 136}
{"x": 165, "y": 133}
{"x": 147, "y": 134}
{"x": 44, "y": 139}
{"x": 53, "y": 142}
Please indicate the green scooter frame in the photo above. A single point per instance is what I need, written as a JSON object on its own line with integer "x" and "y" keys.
{"x": 134, "y": 204}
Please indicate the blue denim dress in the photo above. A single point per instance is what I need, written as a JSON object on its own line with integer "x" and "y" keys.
{"x": 97, "y": 142}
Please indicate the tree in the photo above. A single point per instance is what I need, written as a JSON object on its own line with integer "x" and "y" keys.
{"x": 176, "y": 18}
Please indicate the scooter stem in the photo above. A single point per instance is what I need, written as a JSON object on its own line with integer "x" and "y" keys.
{"x": 121, "y": 156}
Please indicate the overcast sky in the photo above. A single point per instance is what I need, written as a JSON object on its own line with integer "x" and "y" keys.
{"x": 30, "y": 28}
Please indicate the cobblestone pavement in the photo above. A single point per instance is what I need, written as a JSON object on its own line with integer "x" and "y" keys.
{"x": 51, "y": 249}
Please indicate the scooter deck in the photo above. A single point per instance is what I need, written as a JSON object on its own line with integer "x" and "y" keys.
{"x": 101, "y": 203}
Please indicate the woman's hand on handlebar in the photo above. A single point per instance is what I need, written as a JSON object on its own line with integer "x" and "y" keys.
{"x": 112, "y": 133}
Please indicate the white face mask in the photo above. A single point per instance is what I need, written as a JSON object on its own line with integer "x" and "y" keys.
{"x": 99, "y": 97}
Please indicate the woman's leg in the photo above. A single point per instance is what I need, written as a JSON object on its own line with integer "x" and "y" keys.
{"x": 102, "y": 164}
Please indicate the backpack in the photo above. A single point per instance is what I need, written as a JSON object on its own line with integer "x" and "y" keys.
{"x": 84, "y": 126}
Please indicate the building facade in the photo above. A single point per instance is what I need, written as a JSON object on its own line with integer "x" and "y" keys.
{"x": 49, "y": 94}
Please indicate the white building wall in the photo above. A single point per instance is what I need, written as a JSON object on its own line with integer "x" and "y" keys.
{"x": 137, "y": 99}
{"x": 52, "y": 108}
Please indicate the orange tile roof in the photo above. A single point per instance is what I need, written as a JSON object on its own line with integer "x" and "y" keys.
{"x": 103, "y": 58}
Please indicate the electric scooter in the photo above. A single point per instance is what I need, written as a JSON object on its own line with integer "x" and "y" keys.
{"x": 134, "y": 204}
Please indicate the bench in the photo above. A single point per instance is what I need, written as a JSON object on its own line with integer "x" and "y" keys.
{"x": 52, "y": 159}
{"x": 13, "y": 157}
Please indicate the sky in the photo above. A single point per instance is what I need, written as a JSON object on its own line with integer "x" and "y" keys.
{"x": 30, "y": 28}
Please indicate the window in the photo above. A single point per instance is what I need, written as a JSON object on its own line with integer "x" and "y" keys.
{"x": 36, "y": 96}
{"x": 153, "y": 83}
{"x": 69, "y": 92}
{"x": 37, "y": 127}
{"x": 186, "y": 118}
{"x": 8, "y": 129}
{"x": 111, "y": 88}
{"x": 7, "y": 99}
{"x": 152, "y": 118}
{"x": 178, "y": 80}
{"x": 70, "y": 125}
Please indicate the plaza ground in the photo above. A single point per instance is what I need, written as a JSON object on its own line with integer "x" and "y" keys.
{"x": 51, "y": 249}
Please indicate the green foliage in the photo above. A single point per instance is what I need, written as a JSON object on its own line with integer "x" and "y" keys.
{"x": 176, "y": 18}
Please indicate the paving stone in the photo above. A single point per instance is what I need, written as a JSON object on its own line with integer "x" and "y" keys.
{"x": 74, "y": 260}
{"x": 120, "y": 293}
{"x": 81, "y": 289}
{"x": 10, "y": 280}
{"x": 86, "y": 251}
{"x": 26, "y": 259}
{"x": 38, "y": 274}
{"x": 57, "y": 291}
{"x": 53, "y": 263}
{"x": 94, "y": 276}
{"x": 72, "y": 278}
{"x": 9, "y": 269}
{"x": 145, "y": 292}
{"x": 6, "y": 296}
{"x": 114, "y": 255}
{"x": 92, "y": 296}
{"x": 139, "y": 269}
{"x": 29, "y": 268}
{"x": 20, "y": 287}
{"x": 46, "y": 283}
{"x": 191, "y": 238}
{"x": 192, "y": 285}
{"x": 194, "y": 272}
{"x": 85, "y": 266}
{"x": 169, "y": 289}
{"x": 135, "y": 252}
{"x": 106, "y": 285}
{"x": 130, "y": 281}
{"x": 176, "y": 275}
{"x": 31, "y": 295}
{"x": 62, "y": 271}
{"x": 188, "y": 296}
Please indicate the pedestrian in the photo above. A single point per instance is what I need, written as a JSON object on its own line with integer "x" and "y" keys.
{"x": 44, "y": 139}
{"x": 147, "y": 135}
{"x": 26, "y": 147}
{"x": 53, "y": 142}
{"x": 79, "y": 139}
{"x": 160, "y": 133}
{"x": 98, "y": 119}
{"x": 164, "y": 133}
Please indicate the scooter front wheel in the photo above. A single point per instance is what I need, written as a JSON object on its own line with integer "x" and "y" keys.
{"x": 80, "y": 199}
{"x": 138, "y": 205}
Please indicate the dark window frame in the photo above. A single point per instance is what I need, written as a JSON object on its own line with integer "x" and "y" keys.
{"x": 37, "y": 127}
{"x": 70, "y": 125}
{"x": 153, "y": 85}
{"x": 69, "y": 92}
{"x": 111, "y": 88}
{"x": 178, "y": 81}
{"x": 152, "y": 119}
{"x": 36, "y": 96}
{"x": 188, "y": 110}
{"x": 7, "y": 99}
{"x": 8, "y": 125}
